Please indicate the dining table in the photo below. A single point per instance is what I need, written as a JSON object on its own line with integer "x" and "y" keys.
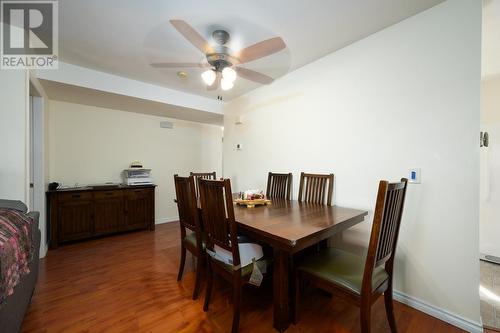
{"x": 289, "y": 226}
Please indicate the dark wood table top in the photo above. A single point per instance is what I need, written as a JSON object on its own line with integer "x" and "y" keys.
{"x": 293, "y": 225}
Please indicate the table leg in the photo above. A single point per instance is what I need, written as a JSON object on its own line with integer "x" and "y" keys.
{"x": 281, "y": 290}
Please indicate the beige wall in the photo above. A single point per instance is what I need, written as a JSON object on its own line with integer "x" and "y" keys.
{"x": 211, "y": 149}
{"x": 93, "y": 145}
{"x": 402, "y": 98}
{"x": 490, "y": 103}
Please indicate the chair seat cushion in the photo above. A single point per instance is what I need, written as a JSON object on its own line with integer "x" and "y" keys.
{"x": 248, "y": 252}
{"x": 341, "y": 268}
{"x": 246, "y": 270}
{"x": 191, "y": 239}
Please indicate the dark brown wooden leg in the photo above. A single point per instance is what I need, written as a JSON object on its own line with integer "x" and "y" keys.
{"x": 183, "y": 261}
{"x": 199, "y": 269}
{"x": 281, "y": 290}
{"x": 293, "y": 286}
{"x": 323, "y": 244}
{"x": 365, "y": 316}
{"x": 210, "y": 278}
{"x": 297, "y": 298}
{"x": 236, "y": 302}
{"x": 389, "y": 308}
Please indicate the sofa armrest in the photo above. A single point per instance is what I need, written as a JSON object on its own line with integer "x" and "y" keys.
{"x": 34, "y": 215}
{"x": 14, "y": 204}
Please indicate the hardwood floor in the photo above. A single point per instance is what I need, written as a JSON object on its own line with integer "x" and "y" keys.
{"x": 127, "y": 283}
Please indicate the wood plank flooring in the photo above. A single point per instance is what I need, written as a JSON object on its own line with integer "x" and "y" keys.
{"x": 127, "y": 283}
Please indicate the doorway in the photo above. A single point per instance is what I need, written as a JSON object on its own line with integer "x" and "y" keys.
{"x": 37, "y": 161}
{"x": 489, "y": 229}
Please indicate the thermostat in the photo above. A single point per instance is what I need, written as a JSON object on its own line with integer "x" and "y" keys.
{"x": 414, "y": 176}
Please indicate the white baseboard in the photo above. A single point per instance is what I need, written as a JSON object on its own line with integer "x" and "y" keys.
{"x": 43, "y": 250}
{"x": 167, "y": 220}
{"x": 439, "y": 313}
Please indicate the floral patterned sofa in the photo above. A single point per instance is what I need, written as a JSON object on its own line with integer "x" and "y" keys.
{"x": 16, "y": 298}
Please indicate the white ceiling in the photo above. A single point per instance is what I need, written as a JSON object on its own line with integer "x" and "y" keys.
{"x": 123, "y": 36}
{"x": 491, "y": 39}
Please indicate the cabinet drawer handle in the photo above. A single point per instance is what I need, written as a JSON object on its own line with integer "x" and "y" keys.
{"x": 109, "y": 193}
{"x": 138, "y": 191}
{"x": 76, "y": 195}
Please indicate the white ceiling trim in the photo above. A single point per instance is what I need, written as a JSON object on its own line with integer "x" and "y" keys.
{"x": 96, "y": 80}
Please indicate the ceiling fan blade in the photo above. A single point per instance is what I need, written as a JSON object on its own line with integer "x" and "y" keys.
{"x": 253, "y": 75}
{"x": 216, "y": 84}
{"x": 178, "y": 65}
{"x": 192, "y": 36}
{"x": 261, "y": 49}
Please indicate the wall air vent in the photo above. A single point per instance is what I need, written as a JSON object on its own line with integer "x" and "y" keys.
{"x": 166, "y": 124}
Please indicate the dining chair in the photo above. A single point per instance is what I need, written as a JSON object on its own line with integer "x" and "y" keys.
{"x": 361, "y": 279}
{"x": 279, "y": 185}
{"x": 189, "y": 219}
{"x": 202, "y": 175}
{"x": 313, "y": 188}
{"x": 221, "y": 229}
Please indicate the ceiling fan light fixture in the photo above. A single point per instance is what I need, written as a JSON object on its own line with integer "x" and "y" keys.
{"x": 229, "y": 74}
{"x": 208, "y": 77}
{"x": 226, "y": 84}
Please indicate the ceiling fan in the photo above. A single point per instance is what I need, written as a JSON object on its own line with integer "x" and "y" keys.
{"x": 222, "y": 62}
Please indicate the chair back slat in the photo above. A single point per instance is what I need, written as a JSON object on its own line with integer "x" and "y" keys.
{"x": 385, "y": 228}
{"x": 186, "y": 205}
{"x": 202, "y": 175}
{"x": 390, "y": 222}
{"x": 279, "y": 185}
{"x": 218, "y": 216}
{"x": 315, "y": 188}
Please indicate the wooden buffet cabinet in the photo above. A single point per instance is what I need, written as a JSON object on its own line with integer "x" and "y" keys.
{"x": 76, "y": 214}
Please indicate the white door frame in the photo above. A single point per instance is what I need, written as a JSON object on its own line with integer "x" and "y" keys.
{"x": 38, "y": 166}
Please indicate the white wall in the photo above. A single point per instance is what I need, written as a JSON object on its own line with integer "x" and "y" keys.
{"x": 14, "y": 135}
{"x": 405, "y": 97}
{"x": 490, "y": 169}
{"x": 92, "y": 145}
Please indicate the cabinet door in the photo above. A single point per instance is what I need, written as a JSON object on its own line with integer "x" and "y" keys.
{"x": 108, "y": 212}
{"x": 75, "y": 217}
{"x": 138, "y": 207}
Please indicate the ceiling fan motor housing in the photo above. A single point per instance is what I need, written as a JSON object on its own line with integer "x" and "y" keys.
{"x": 220, "y": 36}
{"x": 221, "y": 58}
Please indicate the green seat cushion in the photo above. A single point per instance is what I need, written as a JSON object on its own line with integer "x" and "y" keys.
{"x": 191, "y": 239}
{"x": 341, "y": 268}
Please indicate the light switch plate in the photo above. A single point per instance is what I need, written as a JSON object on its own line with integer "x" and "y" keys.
{"x": 414, "y": 176}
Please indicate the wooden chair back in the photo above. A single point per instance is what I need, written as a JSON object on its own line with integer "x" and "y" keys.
{"x": 313, "y": 188}
{"x": 202, "y": 175}
{"x": 187, "y": 206}
{"x": 218, "y": 216}
{"x": 279, "y": 185}
{"x": 385, "y": 228}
